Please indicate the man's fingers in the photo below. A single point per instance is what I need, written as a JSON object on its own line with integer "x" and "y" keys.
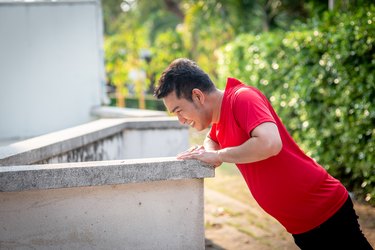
{"x": 191, "y": 149}
{"x": 183, "y": 154}
{"x": 186, "y": 156}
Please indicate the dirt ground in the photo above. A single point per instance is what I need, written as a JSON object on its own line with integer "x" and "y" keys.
{"x": 234, "y": 223}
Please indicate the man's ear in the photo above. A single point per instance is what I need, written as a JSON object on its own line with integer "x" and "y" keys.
{"x": 198, "y": 96}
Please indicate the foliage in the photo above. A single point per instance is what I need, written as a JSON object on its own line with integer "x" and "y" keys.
{"x": 320, "y": 79}
{"x": 132, "y": 102}
{"x": 122, "y": 57}
{"x": 319, "y": 76}
{"x": 128, "y": 51}
{"x": 169, "y": 41}
{"x": 188, "y": 28}
{"x": 111, "y": 11}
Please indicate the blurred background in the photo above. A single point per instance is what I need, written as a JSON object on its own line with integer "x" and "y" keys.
{"x": 314, "y": 59}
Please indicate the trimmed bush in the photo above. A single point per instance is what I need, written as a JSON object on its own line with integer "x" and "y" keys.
{"x": 133, "y": 102}
{"x": 320, "y": 79}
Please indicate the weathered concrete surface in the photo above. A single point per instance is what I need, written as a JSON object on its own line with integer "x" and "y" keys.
{"x": 150, "y": 215}
{"x": 109, "y": 148}
{"x": 154, "y": 203}
{"x": 105, "y": 139}
{"x": 64, "y": 175}
{"x": 116, "y": 112}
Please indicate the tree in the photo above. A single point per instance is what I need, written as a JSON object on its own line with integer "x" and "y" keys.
{"x": 196, "y": 29}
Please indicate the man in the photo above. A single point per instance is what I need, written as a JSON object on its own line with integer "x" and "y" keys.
{"x": 312, "y": 205}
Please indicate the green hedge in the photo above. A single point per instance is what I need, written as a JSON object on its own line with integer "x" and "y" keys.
{"x": 320, "y": 79}
{"x": 133, "y": 102}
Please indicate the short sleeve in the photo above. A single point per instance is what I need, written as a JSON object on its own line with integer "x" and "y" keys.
{"x": 250, "y": 109}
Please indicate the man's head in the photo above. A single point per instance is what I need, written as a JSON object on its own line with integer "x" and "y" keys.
{"x": 185, "y": 89}
{"x": 182, "y": 76}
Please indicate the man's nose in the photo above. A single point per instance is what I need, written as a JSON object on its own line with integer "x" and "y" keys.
{"x": 181, "y": 119}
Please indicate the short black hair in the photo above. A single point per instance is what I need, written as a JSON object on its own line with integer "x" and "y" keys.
{"x": 182, "y": 76}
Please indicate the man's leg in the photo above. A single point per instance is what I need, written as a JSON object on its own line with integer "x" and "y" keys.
{"x": 341, "y": 231}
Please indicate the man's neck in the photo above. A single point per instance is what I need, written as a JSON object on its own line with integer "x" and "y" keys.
{"x": 216, "y": 100}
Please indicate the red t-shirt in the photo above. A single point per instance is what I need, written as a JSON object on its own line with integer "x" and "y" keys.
{"x": 290, "y": 186}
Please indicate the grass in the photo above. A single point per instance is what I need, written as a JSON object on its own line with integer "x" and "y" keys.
{"x": 229, "y": 181}
{"x": 243, "y": 230}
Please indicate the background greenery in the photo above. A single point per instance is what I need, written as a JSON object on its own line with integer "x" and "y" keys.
{"x": 316, "y": 66}
{"x": 320, "y": 79}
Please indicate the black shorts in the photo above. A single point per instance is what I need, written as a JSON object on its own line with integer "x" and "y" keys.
{"x": 341, "y": 231}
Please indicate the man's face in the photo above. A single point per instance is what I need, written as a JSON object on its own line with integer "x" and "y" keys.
{"x": 190, "y": 113}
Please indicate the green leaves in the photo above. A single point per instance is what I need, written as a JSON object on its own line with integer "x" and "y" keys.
{"x": 320, "y": 79}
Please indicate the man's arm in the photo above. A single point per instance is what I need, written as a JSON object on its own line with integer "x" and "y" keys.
{"x": 265, "y": 142}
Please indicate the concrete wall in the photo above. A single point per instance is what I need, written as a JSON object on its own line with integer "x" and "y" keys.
{"x": 111, "y": 203}
{"x": 51, "y": 65}
{"x": 158, "y": 215}
{"x": 104, "y": 139}
{"x": 131, "y": 204}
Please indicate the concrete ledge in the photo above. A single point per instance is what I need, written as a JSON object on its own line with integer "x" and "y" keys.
{"x": 64, "y": 175}
{"x": 42, "y": 147}
{"x": 116, "y": 112}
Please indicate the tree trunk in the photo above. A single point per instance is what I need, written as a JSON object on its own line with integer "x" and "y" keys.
{"x": 173, "y": 7}
{"x": 331, "y": 4}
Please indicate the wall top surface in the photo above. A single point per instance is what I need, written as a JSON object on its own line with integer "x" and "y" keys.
{"x": 96, "y": 173}
{"x": 35, "y": 149}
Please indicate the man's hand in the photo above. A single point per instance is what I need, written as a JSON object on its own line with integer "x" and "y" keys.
{"x": 200, "y": 153}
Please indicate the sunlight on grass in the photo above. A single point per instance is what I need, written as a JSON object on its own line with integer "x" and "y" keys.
{"x": 229, "y": 181}
{"x": 243, "y": 230}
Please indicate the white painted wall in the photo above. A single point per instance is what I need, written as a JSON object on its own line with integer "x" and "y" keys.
{"x": 151, "y": 215}
{"x": 155, "y": 143}
{"x": 51, "y": 66}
